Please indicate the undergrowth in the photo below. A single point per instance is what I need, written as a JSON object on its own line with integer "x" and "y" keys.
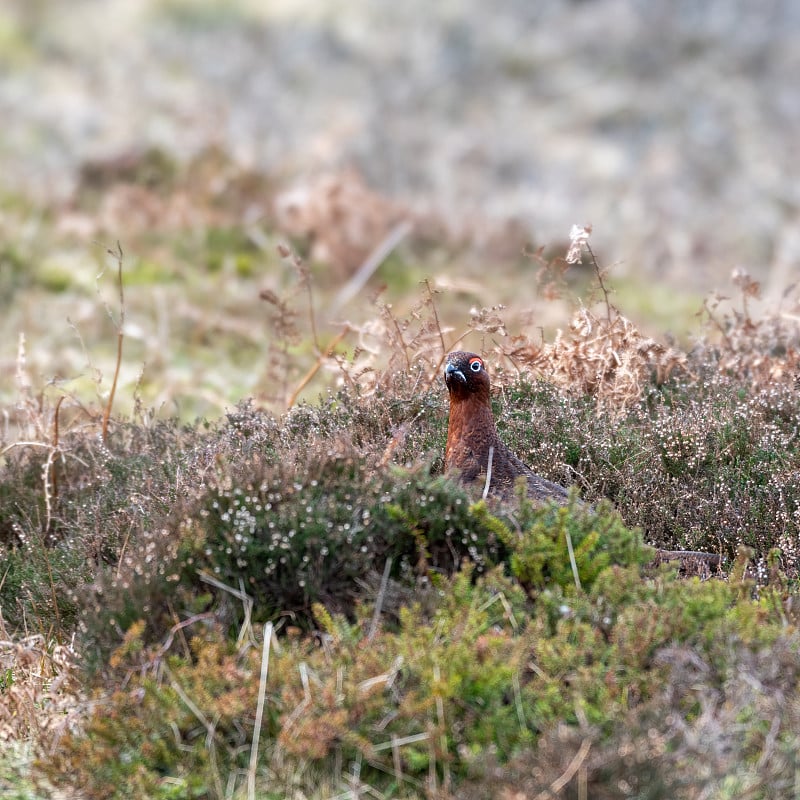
{"x": 419, "y": 641}
{"x": 474, "y": 672}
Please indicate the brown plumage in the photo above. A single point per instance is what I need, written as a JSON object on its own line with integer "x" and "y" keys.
{"x": 471, "y": 434}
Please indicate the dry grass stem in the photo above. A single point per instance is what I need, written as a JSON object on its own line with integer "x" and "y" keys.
{"x": 308, "y": 377}
{"x": 376, "y": 614}
{"x": 262, "y": 691}
{"x": 488, "y": 482}
{"x": 575, "y": 764}
{"x": 118, "y": 255}
{"x": 572, "y": 563}
{"x": 359, "y": 279}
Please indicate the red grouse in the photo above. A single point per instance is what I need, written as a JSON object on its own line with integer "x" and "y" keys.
{"x": 473, "y": 447}
{"x": 475, "y": 451}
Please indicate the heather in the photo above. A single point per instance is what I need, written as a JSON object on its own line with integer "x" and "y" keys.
{"x": 237, "y": 241}
{"x": 299, "y": 603}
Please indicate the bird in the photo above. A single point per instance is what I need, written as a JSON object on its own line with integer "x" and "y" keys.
{"x": 474, "y": 449}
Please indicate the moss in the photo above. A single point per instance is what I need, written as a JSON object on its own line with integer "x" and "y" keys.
{"x": 144, "y": 272}
{"x": 229, "y": 245}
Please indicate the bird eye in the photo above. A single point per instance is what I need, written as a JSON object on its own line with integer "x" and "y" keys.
{"x": 475, "y": 365}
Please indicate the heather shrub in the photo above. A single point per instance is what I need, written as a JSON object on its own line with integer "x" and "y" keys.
{"x": 96, "y": 507}
{"x": 308, "y": 535}
{"x": 291, "y": 512}
{"x": 153, "y": 738}
{"x": 142, "y": 518}
{"x": 706, "y": 465}
{"x": 425, "y": 642}
{"x": 719, "y": 729}
{"x": 565, "y": 548}
{"x": 474, "y": 672}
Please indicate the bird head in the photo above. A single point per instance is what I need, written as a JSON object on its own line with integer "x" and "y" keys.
{"x": 465, "y": 375}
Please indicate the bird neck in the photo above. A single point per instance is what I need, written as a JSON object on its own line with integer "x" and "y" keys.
{"x": 471, "y": 421}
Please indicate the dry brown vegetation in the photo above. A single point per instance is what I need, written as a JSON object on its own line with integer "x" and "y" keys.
{"x": 154, "y": 554}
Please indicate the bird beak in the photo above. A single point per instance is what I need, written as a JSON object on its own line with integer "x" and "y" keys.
{"x": 452, "y": 370}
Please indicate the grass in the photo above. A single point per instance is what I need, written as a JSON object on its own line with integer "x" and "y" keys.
{"x": 201, "y": 262}
{"x": 291, "y": 600}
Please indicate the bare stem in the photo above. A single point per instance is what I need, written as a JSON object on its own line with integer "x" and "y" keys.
{"x": 599, "y": 273}
{"x": 316, "y": 366}
{"x": 118, "y": 255}
{"x": 435, "y": 315}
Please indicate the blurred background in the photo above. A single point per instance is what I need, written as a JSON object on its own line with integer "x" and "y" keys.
{"x": 387, "y": 143}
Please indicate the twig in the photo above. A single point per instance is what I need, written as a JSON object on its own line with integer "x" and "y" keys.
{"x": 120, "y": 336}
{"x": 387, "y": 678}
{"x": 518, "y": 702}
{"x": 53, "y": 474}
{"x": 25, "y": 444}
{"x": 47, "y": 472}
{"x": 52, "y": 582}
{"x": 769, "y": 739}
{"x": 376, "y": 614}
{"x": 305, "y": 279}
{"x": 488, "y": 474}
{"x": 120, "y": 557}
{"x": 304, "y": 703}
{"x": 599, "y": 273}
{"x": 239, "y": 594}
{"x": 396, "y": 760}
{"x": 262, "y": 690}
{"x": 557, "y": 785}
{"x": 443, "y": 735}
{"x": 315, "y": 368}
{"x": 435, "y": 315}
{"x": 387, "y": 311}
{"x": 177, "y": 628}
{"x": 204, "y": 721}
{"x": 414, "y": 737}
{"x": 572, "y": 561}
{"x": 716, "y": 323}
{"x": 507, "y": 610}
{"x": 371, "y": 263}
{"x": 355, "y": 777}
{"x": 376, "y": 764}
